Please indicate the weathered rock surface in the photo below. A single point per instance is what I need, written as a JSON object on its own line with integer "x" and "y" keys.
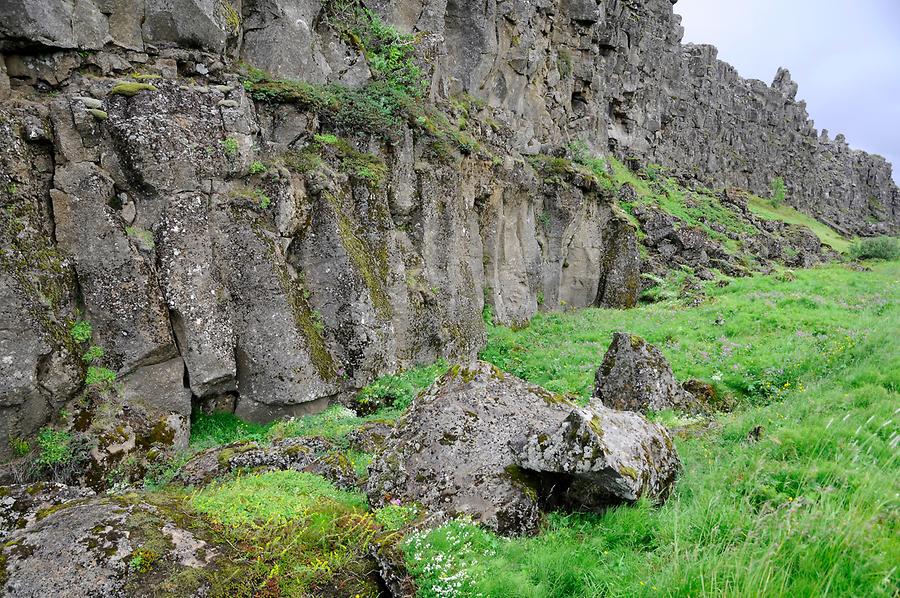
{"x": 634, "y": 376}
{"x": 79, "y": 545}
{"x": 21, "y": 506}
{"x": 311, "y": 455}
{"x": 485, "y": 444}
{"x": 208, "y": 281}
{"x": 600, "y": 457}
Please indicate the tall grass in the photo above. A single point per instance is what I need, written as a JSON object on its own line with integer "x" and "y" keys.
{"x": 809, "y": 509}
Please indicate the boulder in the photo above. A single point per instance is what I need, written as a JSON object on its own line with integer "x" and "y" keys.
{"x": 458, "y": 451}
{"x": 21, "y": 506}
{"x": 83, "y": 545}
{"x": 599, "y": 457}
{"x": 635, "y": 376}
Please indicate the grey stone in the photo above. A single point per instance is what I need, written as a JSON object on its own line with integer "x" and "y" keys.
{"x": 636, "y": 377}
{"x": 84, "y": 546}
{"x": 600, "y": 457}
{"x": 60, "y": 24}
{"x": 121, "y": 294}
{"x": 90, "y": 102}
{"x": 485, "y": 444}
{"x": 187, "y": 23}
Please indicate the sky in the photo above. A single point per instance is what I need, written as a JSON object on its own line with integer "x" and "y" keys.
{"x": 844, "y": 55}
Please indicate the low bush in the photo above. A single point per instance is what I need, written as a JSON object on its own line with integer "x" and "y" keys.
{"x": 876, "y": 248}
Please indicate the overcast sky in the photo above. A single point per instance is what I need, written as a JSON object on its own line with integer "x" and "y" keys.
{"x": 844, "y": 54}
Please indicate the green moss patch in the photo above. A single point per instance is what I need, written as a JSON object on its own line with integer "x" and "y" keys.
{"x": 130, "y": 89}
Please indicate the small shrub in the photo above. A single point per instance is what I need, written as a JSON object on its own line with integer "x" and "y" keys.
{"x": 779, "y": 192}
{"x": 81, "y": 331}
{"x": 54, "y": 447}
{"x": 230, "y": 146}
{"x": 257, "y": 167}
{"x": 876, "y": 248}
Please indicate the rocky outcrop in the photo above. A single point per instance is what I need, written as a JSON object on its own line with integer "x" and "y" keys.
{"x": 613, "y": 73}
{"x": 634, "y": 376}
{"x": 485, "y": 444}
{"x": 279, "y": 291}
{"x": 311, "y": 455}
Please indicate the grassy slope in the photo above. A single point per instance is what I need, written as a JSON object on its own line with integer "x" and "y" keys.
{"x": 701, "y": 206}
{"x": 809, "y": 510}
{"x": 764, "y": 209}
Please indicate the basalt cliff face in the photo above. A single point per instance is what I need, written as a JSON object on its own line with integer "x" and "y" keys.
{"x": 239, "y": 242}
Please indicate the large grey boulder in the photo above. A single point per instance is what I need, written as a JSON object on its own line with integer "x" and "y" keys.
{"x": 636, "y": 377}
{"x": 598, "y": 457}
{"x": 488, "y": 445}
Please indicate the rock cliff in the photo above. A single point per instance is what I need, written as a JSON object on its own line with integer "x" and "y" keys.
{"x": 260, "y": 206}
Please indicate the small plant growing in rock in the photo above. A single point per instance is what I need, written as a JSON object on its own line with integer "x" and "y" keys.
{"x": 81, "y": 331}
{"x": 54, "y": 447}
{"x": 143, "y": 236}
{"x": 19, "y": 446}
{"x": 99, "y": 376}
{"x": 255, "y": 195}
{"x": 230, "y": 147}
{"x": 93, "y": 354}
{"x": 257, "y": 167}
{"x": 779, "y": 192}
{"x": 142, "y": 560}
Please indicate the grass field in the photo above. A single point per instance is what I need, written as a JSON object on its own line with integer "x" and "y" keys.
{"x": 810, "y": 509}
{"x": 763, "y": 208}
{"x": 810, "y": 360}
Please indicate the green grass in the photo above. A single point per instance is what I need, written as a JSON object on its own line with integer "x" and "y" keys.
{"x": 764, "y": 209}
{"x": 392, "y": 394}
{"x": 810, "y": 509}
{"x": 772, "y": 332}
{"x": 396, "y": 392}
{"x": 223, "y": 428}
{"x": 270, "y": 498}
{"x": 295, "y": 534}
